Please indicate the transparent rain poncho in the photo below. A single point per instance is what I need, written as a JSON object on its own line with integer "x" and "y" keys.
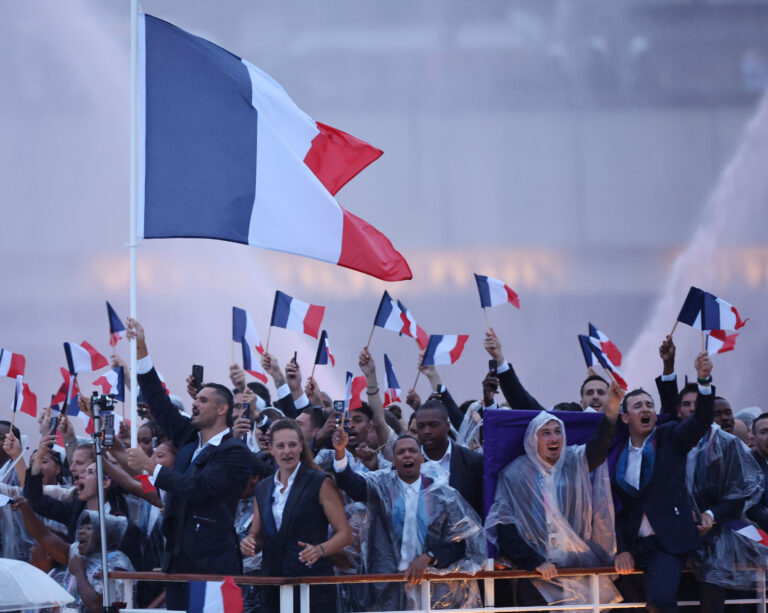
{"x": 443, "y": 516}
{"x": 565, "y": 516}
{"x": 116, "y": 560}
{"x": 722, "y": 468}
{"x": 470, "y": 433}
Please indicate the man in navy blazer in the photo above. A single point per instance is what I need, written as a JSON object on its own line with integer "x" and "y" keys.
{"x": 209, "y": 475}
{"x": 655, "y": 529}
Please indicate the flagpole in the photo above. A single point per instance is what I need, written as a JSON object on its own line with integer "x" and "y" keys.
{"x": 487, "y": 323}
{"x": 269, "y": 334}
{"x": 233, "y": 352}
{"x": 703, "y": 340}
{"x": 312, "y": 374}
{"x": 370, "y": 336}
{"x": 674, "y": 327}
{"x": 418, "y": 373}
{"x": 133, "y": 240}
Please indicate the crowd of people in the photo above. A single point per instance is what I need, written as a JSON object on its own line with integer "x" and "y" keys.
{"x": 290, "y": 486}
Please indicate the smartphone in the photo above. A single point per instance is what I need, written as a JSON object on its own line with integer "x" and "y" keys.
{"x": 197, "y": 376}
{"x": 295, "y": 355}
{"x": 246, "y": 410}
{"x": 54, "y": 424}
{"x": 492, "y": 366}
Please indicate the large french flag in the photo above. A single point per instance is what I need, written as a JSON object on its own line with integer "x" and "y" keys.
{"x": 11, "y": 364}
{"x": 116, "y": 327}
{"x": 225, "y": 153}
{"x": 393, "y": 387}
{"x": 112, "y": 382}
{"x": 244, "y": 332}
{"x": 287, "y": 312}
{"x": 610, "y": 350}
{"x": 444, "y": 348}
{"x": 83, "y": 358}
{"x": 494, "y": 292}
{"x": 324, "y": 355}
{"x": 705, "y": 311}
{"x": 215, "y": 597}
{"x": 411, "y": 328}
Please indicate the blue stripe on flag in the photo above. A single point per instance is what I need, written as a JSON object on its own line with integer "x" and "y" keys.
{"x": 281, "y": 310}
{"x": 238, "y": 324}
{"x": 384, "y": 311}
{"x": 485, "y": 291}
{"x": 196, "y": 597}
{"x": 200, "y": 138}
{"x": 692, "y": 306}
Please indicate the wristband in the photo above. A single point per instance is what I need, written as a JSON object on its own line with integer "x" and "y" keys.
{"x": 322, "y": 549}
{"x": 372, "y": 392}
{"x": 706, "y": 381}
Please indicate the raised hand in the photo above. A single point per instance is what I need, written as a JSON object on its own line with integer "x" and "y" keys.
{"x": 703, "y": 365}
{"x": 667, "y": 354}
{"x": 492, "y": 345}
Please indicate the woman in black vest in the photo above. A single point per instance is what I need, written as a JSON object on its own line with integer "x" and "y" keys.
{"x": 291, "y": 517}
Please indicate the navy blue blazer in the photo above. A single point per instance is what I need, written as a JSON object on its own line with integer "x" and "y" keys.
{"x": 202, "y": 495}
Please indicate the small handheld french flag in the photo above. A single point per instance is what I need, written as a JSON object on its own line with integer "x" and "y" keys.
{"x": 354, "y": 392}
{"x": 388, "y": 316}
{"x": 444, "y": 348}
{"x": 718, "y": 341}
{"x": 706, "y": 312}
{"x": 586, "y": 349}
{"x": 112, "y": 382}
{"x": 494, "y": 292}
{"x": 83, "y": 358}
{"x": 215, "y": 597}
{"x": 411, "y": 328}
{"x": 11, "y": 364}
{"x": 244, "y": 332}
{"x": 393, "y": 387}
{"x": 116, "y": 327}
{"x": 605, "y": 362}
{"x": 23, "y": 399}
{"x": 324, "y": 351}
{"x": 610, "y": 350}
{"x": 68, "y": 393}
{"x": 296, "y": 315}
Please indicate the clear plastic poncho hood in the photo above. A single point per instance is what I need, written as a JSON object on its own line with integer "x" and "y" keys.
{"x": 563, "y": 514}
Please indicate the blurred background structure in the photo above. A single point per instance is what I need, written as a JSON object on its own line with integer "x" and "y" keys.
{"x": 599, "y": 157}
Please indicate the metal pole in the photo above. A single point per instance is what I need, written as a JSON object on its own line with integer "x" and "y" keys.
{"x": 761, "y": 590}
{"x": 133, "y": 235}
{"x": 304, "y": 598}
{"x": 100, "y": 489}
{"x": 595, "y": 583}
{"x": 286, "y": 599}
{"x": 490, "y": 586}
{"x": 426, "y": 603}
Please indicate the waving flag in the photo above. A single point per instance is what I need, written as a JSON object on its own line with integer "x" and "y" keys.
{"x": 11, "y": 364}
{"x": 116, "y": 327}
{"x": 389, "y": 315}
{"x": 324, "y": 351}
{"x": 393, "y": 387}
{"x": 444, "y": 348}
{"x": 411, "y": 328}
{"x": 244, "y": 332}
{"x": 23, "y": 399}
{"x": 586, "y": 349}
{"x": 718, "y": 341}
{"x": 610, "y": 350}
{"x": 705, "y": 311}
{"x": 748, "y": 530}
{"x": 494, "y": 292}
{"x": 68, "y": 393}
{"x": 83, "y": 358}
{"x": 112, "y": 382}
{"x": 353, "y": 397}
{"x": 226, "y": 154}
{"x": 294, "y": 314}
{"x": 215, "y": 597}
{"x": 605, "y": 362}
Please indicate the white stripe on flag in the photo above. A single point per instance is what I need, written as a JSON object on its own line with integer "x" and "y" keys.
{"x": 497, "y": 292}
{"x": 297, "y": 314}
{"x": 5, "y": 362}
{"x": 81, "y": 359}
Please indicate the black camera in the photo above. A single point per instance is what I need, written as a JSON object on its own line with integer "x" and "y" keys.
{"x": 103, "y": 405}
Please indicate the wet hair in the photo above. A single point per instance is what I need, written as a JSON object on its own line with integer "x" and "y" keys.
{"x": 306, "y": 457}
{"x": 13, "y": 429}
{"x": 687, "y": 389}
{"x": 403, "y": 436}
{"x": 757, "y": 419}
{"x": 434, "y": 404}
{"x": 260, "y": 390}
{"x": 365, "y": 410}
{"x": 393, "y": 422}
{"x": 591, "y": 378}
{"x": 225, "y": 397}
{"x": 635, "y": 392}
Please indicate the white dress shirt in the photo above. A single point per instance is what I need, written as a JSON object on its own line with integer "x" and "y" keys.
{"x": 632, "y": 477}
{"x": 409, "y": 548}
{"x": 279, "y": 498}
{"x": 438, "y": 469}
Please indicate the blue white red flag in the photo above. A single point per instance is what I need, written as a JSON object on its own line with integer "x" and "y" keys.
{"x": 411, "y": 328}
{"x": 605, "y": 362}
{"x": 83, "y": 358}
{"x": 225, "y": 153}
{"x": 116, "y": 327}
{"x": 610, "y": 350}
{"x": 68, "y": 393}
{"x": 112, "y": 382}
{"x": 494, "y": 292}
{"x": 586, "y": 349}
{"x": 296, "y": 315}
{"x": 354, "y": 391}
{"x": 392, "y": 394}
{"x": 748, "y": 530}
{"x": 11, "y": 364}
{"x": 23, "y": 399}
{"x": 705, "y": 311}
{"x": 215, "y": 597}
{"x": 389, "y": 315}
{"x": 324, "y": 351}
{"x": 244, "y": 332}
{"x": 444, "y": 348}
{"x": 719, "y": 341}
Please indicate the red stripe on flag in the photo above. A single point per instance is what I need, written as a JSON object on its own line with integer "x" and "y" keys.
{"x": 29, "y": 404}
{"x": 728, "y": 340}
{"x": 739, "y": 322}
{"x": 365, "y": 249}
{"x": 422, "y": 338}
{"x": 512, "y": 296}
{"x": 17, "y": 366}
{"x": 335, "y": 157}
{"x": 455, "y": 353}
{"x": 231, "y": 596}
{"x": 97, "y": 360}
{"x": 91, "y": 427}
{"x": 313, "y": 319}
{"x": 146, "y": 486}
{"x": 612, "y": 352}
{"x": 259, "y": 375}
{"x": 358, "y": 385}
